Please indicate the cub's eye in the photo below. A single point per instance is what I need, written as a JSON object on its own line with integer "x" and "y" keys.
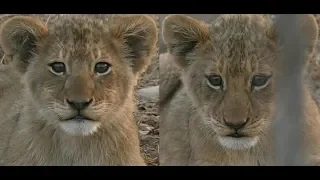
{"x": 260, "y": 81}
{"x": 215, "y": 81}
{"x": 102, "y": 68}
{"x": 57, "y": 68}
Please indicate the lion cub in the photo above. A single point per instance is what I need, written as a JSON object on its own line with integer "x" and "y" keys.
{"x": 67, "y": 98}
{"x": 220, "y": 112}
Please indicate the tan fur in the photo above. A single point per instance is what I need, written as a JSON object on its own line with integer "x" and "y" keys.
{"x": 236, "y": 47}
{"x": 169, "y": 77}
{"x": 33, "y": 99}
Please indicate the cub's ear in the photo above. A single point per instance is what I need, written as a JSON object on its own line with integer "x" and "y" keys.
{"x": 19, "y": 39}
{"x": 182, "y": 34}
{"x": 308, "y": 27}
{"x": 137, "y": 36}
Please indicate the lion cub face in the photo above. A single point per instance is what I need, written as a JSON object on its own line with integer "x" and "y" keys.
{"x": 229, "y": 72}
{"x": 80, "y": 70}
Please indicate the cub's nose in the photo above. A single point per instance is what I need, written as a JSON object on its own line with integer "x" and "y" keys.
{"x": 79, "y": 105}
{"x": 235, "y": 124}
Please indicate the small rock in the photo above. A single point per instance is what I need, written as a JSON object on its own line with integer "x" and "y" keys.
{"x": 144, "y": 132}
{"x": 145, "y": 127}
{"x": 151, "y": 121}
{"x": 147, "y": 139}
{"x": 141, "y": 108}
{"x": 149, "y": 93}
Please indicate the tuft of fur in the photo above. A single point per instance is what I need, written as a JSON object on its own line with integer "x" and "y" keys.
{"x": 192, "y": 116}
{"x": 34, "y": 129}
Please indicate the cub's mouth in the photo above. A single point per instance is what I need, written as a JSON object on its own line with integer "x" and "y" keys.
{"x": 236, "y": 135}
{"x": 79, "y": 125}
{"x": 78, "y": 118}
{"x": 238, "y": 142}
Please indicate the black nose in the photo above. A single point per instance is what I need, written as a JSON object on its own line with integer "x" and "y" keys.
{"x": 235, "y": 125}
{"x": 79, "y": 105}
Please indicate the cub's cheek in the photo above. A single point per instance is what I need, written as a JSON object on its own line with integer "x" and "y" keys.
{"x": 48, "y": 98}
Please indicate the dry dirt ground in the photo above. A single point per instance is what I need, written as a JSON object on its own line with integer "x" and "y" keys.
{"x": 148, "y": 118}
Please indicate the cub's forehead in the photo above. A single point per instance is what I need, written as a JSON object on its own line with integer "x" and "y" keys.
{"x": 78, "y": 35}
{"x": 240, "y": 36}
{"x": 83, "y": 28}
{"x": 240, "y": 41}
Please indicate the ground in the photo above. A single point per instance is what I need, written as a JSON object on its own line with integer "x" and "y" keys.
{"x": 147, "y": 116}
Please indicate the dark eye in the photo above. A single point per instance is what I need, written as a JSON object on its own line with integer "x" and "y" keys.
{"x": 260, "y": 81}
{"x": 57, "y": 68}
{"x": 215, "y": 81}
{"x": 102, "y": 68}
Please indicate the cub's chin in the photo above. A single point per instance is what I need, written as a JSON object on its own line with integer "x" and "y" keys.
{"x": 79, "y": 126}
{"x": 238, "y": 143}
